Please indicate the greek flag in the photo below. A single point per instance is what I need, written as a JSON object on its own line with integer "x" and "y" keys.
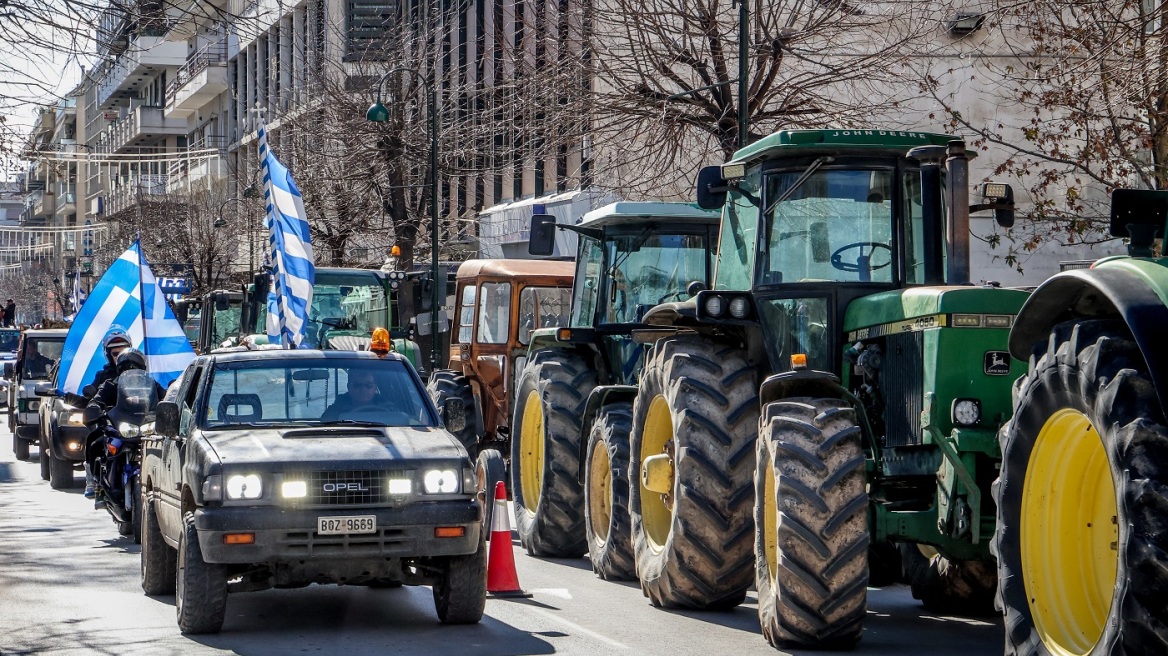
{"x": 127, "y": 296}
{"x": 293, "y": 273}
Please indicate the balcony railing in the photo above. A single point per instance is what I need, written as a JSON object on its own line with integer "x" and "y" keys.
{"x": 142, "y": 119}
{"x": 136, "y": 189}
{"x": 194, "y": 84}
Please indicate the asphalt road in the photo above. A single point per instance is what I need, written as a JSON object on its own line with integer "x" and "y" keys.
{"x": 69, "y": 585}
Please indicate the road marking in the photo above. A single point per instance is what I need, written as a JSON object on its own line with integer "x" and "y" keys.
{"x": 576, "y": 627}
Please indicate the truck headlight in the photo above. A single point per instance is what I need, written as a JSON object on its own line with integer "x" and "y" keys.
{"x": 244, "y": 486}
{"x": 440, "y": 481}
{"x": 73, "y": 419}
{"x": 294, "y": 489}
{"x": 966, "y": 412}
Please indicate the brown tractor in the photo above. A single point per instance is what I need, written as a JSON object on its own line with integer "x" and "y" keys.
{"x": 499, "y": 304}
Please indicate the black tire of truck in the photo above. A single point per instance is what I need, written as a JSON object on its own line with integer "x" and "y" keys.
{"x": 448, "y": 384}
{"x": 1088, "y": 369}
{"x": 200, "y": 599}
{"x": 159, "y": 562}
{"x": 606, "y": 494}
{"x": 460, "y": 595}
{"x": 702, "y": 555}
{"x": 60, "y": 473}
{"x": 46, "y": 468}
{"x": 552, "y": 523}
{"x": 19, "y": 447}
{"x": 489, "y": 471}
{"x": 136, "y": 510}
{"x": 811, "y": 514}
{"x": 950, "y": 587}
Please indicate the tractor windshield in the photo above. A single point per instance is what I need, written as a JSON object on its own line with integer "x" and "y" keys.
{"x": 343, "y": 304}
{"x": 648, "y": 268}
{"x": 836, "y": 226}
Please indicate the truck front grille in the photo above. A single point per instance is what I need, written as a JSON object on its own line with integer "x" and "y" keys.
{"x": 900, "y": 385}
{"x": 346, "y": 488}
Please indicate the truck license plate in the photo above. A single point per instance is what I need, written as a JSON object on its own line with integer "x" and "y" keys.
{"x": 346, "y": 525}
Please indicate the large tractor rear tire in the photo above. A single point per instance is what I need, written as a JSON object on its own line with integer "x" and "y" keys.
{"x": 446, "y": 384}
{"x": 696, "y": 415}
{"x": 811, "y": 516}
{"x": 606, "y": 494}
{"x": 545, "y": 454}
{"x": 1082, "y": 539}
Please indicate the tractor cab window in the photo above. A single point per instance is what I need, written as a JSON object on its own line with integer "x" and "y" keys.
{"x": 915, "y": 253}
{"x": 466, "y": 314}
{"x": 494, "y": 312}
{"x": 836, "y": 226}
{"x": 648, "y": 268}
{"x": 587, "y": 282}
{"x": 542, "y": 307}
{"x": 736, "y": 241}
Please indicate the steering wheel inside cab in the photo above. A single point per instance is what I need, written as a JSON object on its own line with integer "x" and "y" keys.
{"x": 863, "y": 264}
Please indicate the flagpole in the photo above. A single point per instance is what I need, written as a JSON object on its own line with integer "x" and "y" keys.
{"x": 142, "y": 298}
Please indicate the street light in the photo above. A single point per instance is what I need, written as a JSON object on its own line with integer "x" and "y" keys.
{"x": 378, "y": 113}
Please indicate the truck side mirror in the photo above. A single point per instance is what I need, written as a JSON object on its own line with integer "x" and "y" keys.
{"x": 44, "y": 389}
{"x": 166, "y": 418}
{"x": 9, "y": 369}
{"x": 543, "y": 235}
{"x": 820, "y": 246}
{"x": 454, "y": 415}
{"x": 711, "y": 188}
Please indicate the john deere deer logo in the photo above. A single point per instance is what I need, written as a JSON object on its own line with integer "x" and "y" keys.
{"x": 997, "y": 363}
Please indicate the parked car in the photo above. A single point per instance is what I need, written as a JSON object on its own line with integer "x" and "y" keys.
{"x": 39, "y": 350}
{"x": 258, "y": 478}
{"x": 62, "y": 434}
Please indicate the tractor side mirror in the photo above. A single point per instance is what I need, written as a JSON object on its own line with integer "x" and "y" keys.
{"x": 711, "y": 188}
{"x": 166, "y": 418}
{"x": 543, "y": 235}
{"x": 695, "y": 286}
{"x": 999, "y": 197}
{"x": 820, "y": 246}
{"x": 454, "y": 415}
{"x": 222, "y": 303}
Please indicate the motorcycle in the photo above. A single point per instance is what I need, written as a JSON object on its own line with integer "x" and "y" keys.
{"x": 120, "y": 431}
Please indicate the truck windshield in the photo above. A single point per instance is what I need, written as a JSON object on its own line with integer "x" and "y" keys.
{"x": 649, "y": 268}
{"x": 303, "y": 392}
{"x": 835, "y": 227}
{"x": 39, "y": 356}
{"x": 9, "y": 339}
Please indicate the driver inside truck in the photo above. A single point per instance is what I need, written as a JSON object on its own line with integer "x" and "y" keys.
{"x": 362, "y": 391}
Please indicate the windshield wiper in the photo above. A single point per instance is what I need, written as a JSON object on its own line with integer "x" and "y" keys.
{"x": 260, "y": 424}
{"x": 807, "y": 173}
{"x": 353, "y": 422}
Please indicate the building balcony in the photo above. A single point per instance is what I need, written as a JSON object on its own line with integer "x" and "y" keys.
{"x": 186, "y": 17}
{"x": 43, "y": 204}
{"x": 200, "y": 172}
{"x": 66, "y": 199}
{"x": 140, "y": 61}
{"x": 141, "y": 126}
{"x": 199, "y": 81}
{"x": 134, "y": 190}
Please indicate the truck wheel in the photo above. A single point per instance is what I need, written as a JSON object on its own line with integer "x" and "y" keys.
{"x": 460, "y": 595}
{"x": 697, "y": 405}
{"x": 606, "y": 494}
{"x": 446, "y": 384}
{"x": 201, "y": 596}
{"x": 46, "y": 471}
{"x": 812, "y": 518}
{"x": 60, "y": 473}
{"x": 19, "y": 447}
{"x": 159, "y": 566}
{"x": 1082, "y": 516}
{"x": 489, "y": 470}
{"x": 549, "y": 499}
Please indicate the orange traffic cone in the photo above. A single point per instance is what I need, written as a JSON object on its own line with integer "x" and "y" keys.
{"x": 502, "y": 580}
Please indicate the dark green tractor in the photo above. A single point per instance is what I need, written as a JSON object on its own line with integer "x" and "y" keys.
{"x": 573, "y": 401}
{"x": 831, "y": 404}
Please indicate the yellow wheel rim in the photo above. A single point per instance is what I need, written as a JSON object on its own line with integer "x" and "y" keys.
{"x": 600, "y": 492}
{"x": 770, "y": 524}
{"x": 531, "y": 452}
{"x": 1069, "y": 534}
{"x": 656, "y": 517}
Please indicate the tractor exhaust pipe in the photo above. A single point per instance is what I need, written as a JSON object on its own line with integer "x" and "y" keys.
{"x": 957, "y": 190}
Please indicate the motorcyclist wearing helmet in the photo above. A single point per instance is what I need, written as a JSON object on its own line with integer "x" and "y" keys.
{"x": 115, "y": 342}
{"x": 107, "y": 397}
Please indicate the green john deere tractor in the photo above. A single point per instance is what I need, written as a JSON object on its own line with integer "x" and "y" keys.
{"x": 573, "y": 401}
{"x": 834, "y": 399}
{"x": 1082, "y": 541}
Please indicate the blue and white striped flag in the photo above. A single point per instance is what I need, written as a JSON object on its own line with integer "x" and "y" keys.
{"x": 127, "y": 296}
{"x": 293, "y": 270}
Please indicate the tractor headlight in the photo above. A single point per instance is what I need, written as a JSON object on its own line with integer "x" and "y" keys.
{"x": 966, "y": 412}
{"x": 739, "y": 307}
{"x": 244, "y": 486}
{"x": 440, "y": 481}
{"x": 715, "y": 306}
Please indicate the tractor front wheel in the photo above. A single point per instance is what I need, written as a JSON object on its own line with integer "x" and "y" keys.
{"x": 1083, "y": 499}
{"x": 606, "y": 494}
